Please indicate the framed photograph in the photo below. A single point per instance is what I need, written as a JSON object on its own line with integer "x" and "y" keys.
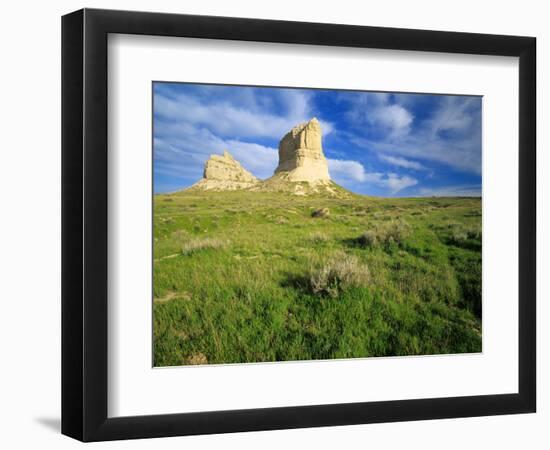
{"x": 273, "y": 224}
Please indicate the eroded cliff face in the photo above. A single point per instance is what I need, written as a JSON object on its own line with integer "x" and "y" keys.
{"x": 223, "y": 172}
{"x": 301, "y": 155}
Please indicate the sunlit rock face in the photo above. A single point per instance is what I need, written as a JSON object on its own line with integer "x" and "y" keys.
{"x": 301, "y": 155}
{"x": 223, "y": 172}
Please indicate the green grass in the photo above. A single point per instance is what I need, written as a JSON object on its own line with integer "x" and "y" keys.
{"x": 254, "y": 276}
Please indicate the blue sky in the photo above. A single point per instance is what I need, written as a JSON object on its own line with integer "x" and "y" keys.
{"x": 384, "y": 144}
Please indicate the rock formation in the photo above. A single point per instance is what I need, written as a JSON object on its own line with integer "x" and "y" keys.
{"x": 302, "y": 168}
{"x": 223, "y": 172}
{"x": 301, "y": 155}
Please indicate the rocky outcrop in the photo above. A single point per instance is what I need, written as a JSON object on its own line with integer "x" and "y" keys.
{"x": 223, "y": 172}
{"x": 302, "y": 168}
{"x": 301, "y": 155}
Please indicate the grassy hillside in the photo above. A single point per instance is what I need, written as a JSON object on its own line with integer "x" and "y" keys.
{"x": 258, "y": 276}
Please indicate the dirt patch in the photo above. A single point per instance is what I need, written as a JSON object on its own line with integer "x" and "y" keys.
{"x": 197, "y": 359}
{"x": 323, "y": 212}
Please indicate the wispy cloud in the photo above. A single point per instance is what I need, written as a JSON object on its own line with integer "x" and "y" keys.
{"x": 454, "y": 114}
{"x": 450, "y": 134}
{"x": 402, "y": 162}
{"x": 353, "y": 170}
{"x": 246, "y": 119}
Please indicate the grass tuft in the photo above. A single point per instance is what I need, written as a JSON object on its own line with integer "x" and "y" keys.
{"x": 197, "y": 244}
{"x": 339, "y": 274}
{"x": 318, "y": 237}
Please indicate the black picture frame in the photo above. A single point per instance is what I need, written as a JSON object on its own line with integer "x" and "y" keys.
{"x": 84, "y": 224}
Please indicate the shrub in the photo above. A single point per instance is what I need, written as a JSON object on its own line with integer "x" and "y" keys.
{"x": 393, "y": 232}
{"x": 338, "y": 274}
{"x": 474, "y": 233}
{"x": 368, "y": 239}
{"x": 323, "y": 212}
{"x": 197, "y": 244}
{"x": 460, "y": 234}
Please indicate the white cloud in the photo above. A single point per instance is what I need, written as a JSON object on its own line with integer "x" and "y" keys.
{"x": 326, "y": 127}
{"x": 401, "y": 162}
{"x": 376, "y": 110}
{"x": 258, "y": 159}
{"x": 221, "y": 118}
{"x": 394, "y": 117}
{"x": 244, "y": 118}
{"x": 345, "y": 170}
{"x": 296, "y": 102}
{"x": 397, "y": 183}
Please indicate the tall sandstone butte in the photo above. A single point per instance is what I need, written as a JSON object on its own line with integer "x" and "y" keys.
{"x": 301, "y": 155}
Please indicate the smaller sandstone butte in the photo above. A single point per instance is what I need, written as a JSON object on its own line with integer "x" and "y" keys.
{"x": 301, "y": 155}
{"x": 223, "y": 172}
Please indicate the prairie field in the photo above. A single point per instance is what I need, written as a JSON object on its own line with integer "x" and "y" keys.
{"x": 244, "y": 276}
